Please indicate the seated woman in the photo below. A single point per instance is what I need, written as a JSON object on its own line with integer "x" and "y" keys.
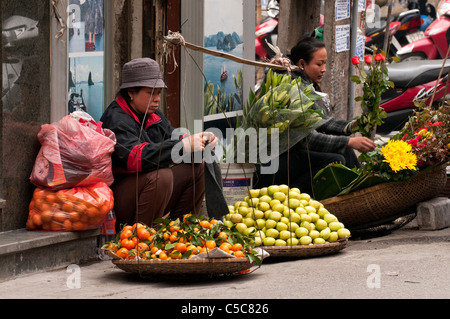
{"x": 330, "y": 143}
{"x": 148, "y": 184}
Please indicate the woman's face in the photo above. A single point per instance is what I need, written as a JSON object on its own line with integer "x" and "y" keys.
{"x": 145, "y": 98}
{"x": 316, "y": 68}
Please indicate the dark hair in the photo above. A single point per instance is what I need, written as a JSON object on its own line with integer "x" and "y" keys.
{"x": 124, "y": 93}
{"x": 305, "y": 49}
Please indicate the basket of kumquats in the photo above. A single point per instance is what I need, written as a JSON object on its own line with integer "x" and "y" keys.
{"x": 189, "y": 245}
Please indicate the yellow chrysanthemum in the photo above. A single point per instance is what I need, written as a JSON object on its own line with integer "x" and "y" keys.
{"x": 399, "y": 156}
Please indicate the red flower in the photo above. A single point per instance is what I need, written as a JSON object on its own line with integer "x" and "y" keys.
{"x": 379, "y": 57}
{"x": 355, "y": 60}
{"x": 368, "y": 59}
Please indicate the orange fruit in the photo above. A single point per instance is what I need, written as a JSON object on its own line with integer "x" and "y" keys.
{"x": 193, "y": 248}
{"x": 205, "y": 224}
{"x": 173, "y": 237}
{"x": 239, "y": 253}
{"x": 78, "y": 226}
{"x": 127, "y": 243}
{"x": 92, "y": 212}
{"x": 143, "y": 233}
{"x": 132, "y": 253}
{"x": 67, "y": 225}
{"x": 112, "y": 246}
{"x": 154, "y": 249}
{"x": 174, "y": 228}
{"x": 142, "y": 247}
{"x": 137, "y": 226}
{"x": 175, "y": 254}
{"x": 59, "y": 216}
{"x": 236, "y": 247}
{"x": 181, "y": 247}
{"x": 46, "y": 216}
{"x": 122, "y": 252}
{"x": 125, "y": 234}
{"x": 67, "y": 206}
{"x": 226, "y": 247}
{"x": 210, "y": 244}
{"x": 51, "y": 198}
{"x": 162, "y": 255}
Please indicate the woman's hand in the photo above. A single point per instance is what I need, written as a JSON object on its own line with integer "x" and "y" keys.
{"x": 197, "y": 142}
{"x": 362, "y": 144}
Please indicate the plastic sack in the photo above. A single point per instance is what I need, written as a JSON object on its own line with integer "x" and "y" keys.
{"x": 71, "y": 209}
{"x": 75, "y": 151}
{"x": 285, "y": 105}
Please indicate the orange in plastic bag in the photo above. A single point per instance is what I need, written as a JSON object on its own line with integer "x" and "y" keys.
{"x": 73, "y": 209}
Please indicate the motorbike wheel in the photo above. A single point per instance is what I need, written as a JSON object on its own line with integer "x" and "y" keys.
{"x": 413, "y": 56}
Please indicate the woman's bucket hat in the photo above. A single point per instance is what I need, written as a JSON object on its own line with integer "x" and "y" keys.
{"x": 142, "y": 72}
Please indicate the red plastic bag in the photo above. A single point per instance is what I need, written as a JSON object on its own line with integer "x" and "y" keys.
{"x": 71, "y": 209}
{"x": 73, "y": 154}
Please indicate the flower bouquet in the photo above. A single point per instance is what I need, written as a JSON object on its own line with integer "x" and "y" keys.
{"x": 375, "y": 81}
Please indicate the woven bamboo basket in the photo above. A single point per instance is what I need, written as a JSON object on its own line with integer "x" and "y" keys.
{"x": 383, "y": 203}
{"x": 306, "y": 251}
{"x": 207, "y": 266}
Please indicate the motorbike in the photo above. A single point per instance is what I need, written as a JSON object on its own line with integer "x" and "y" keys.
{"x": 267, "y": 30}
{"x": 413, "y": 81}
{"x": 434, "y": 44}
{"x": 402, "y": 27}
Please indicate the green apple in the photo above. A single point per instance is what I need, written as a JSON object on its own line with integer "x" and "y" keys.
{"x": 329, "y": 218}
{"x": 285, "y": 234}
{"x": 306, "y": 225}
{"x": 314, "y": 217}
{"x": 314, "y": 203}
{"x": 294, "y": 203}
{"x": 319, "y": 241}
{"x": 293, "y": 194}
{"x": 270, "y": 223}
{"x": 292, "y": 241}
{"x": 301, "y": 210}
{"x": 284, "y": 188}
{"x": 314, "y": 234}
{"x": 281, "y": 226}
{"x": 322, "y": 211}
{"x": 334, "y": 226}
{"x": 343, "y": 232}
{"x": 241, "y": 227}
{"x": 236, "y": 218}
{"x": 305, "y": 240}
{"x": 228, "y": 223}
{"x": 305, "y": 196}
{"x": 321, "y": 224}
{"x": 325, "y": 233}
{"x": 306, "y": 217}
{"x": 260, "y": 223}
{"x": 292, "y": 226}
{"x": 278, "y": 207}
{"x": 272, "y": 189}
{"x": 269, "y": 241}
{"x": 272, "y": 232}
{"x": 333, "y": 237}
{"x": 280, "y": 196}
{"x": 249, "y": 222}
{"x": 250, "y": 231}
{"x": 309, "y": 209}
{"x": 280, "y": 242}
{"x": 253, "y": 202}
{"x": 263, "y": 206}
{"x": 301, "y": 231}
{"x": 243, "y": 210}
{"x": 254, "y": 193}
{"x": 296, "y": 218}
{"x": 265, "y": 199}
{"x": 263, "y": 191}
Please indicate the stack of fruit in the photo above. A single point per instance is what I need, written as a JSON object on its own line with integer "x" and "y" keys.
{"x": 281, "y": 216}
{"x": 180, "y": 239}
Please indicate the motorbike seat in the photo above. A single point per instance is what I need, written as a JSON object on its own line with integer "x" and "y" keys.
{"x": 412, "y": 73}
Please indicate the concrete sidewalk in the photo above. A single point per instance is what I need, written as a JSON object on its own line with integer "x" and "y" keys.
{"x": 407, "y": 263}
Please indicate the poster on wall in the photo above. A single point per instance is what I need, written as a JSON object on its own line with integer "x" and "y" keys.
{"x": 223, "y": 32}
{"x": 86, "y": 56}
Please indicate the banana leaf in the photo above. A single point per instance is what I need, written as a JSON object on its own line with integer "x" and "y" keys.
{"x": 332, "y": 180}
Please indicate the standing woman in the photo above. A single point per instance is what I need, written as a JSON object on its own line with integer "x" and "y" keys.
{"x": 330, "y": 143}
{"x": 147, "y": 183}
